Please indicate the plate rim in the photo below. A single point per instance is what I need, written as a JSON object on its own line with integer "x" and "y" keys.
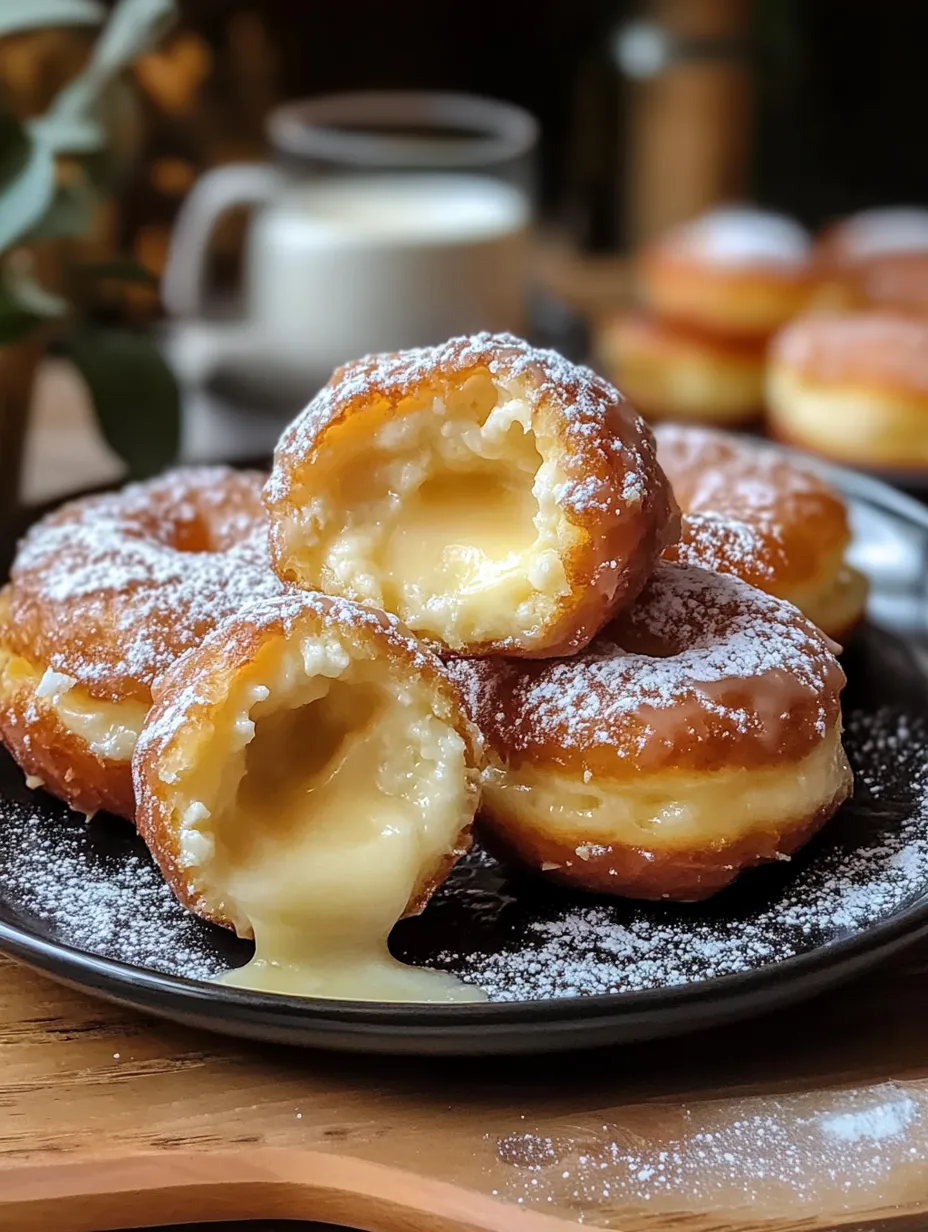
{"x": 203, "y": 996}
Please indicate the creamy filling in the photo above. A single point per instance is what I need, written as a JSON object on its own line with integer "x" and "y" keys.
{"x": 328, "y": 797}
{"x": 109, "y": 729}
{"x": 862, "y": 425}
{"x": 446, "y": 515}
{"x": 668, "y": 810}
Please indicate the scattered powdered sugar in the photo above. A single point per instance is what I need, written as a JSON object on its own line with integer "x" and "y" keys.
{"x": 115, "y": 587}
{"x": 596, "y": 432}
{"x": 876, "y": 233}
{"x": 874, "y": 864}
{"x": 828, "y": 1150}
{"x": 114, "y": 905}
{"x": 747, "y": 509}
{"x": 870, "y": 1124}
{"x": 335, "y": 623}
{"x": 740, "y": 235}
{"x": 93, "y": 886}
{"x": 712, "y": 630}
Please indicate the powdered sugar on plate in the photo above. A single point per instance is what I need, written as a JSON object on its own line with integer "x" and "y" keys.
{"x": 871, "y": 863}
{"x": 93, "y": 886}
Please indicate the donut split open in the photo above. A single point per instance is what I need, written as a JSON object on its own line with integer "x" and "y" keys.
{"x": 445, "y": 513}
{"x": 318, "y": 798}
{"x": 495, "y": 497}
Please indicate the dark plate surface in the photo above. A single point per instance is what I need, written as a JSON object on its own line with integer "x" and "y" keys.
{"x": 84, "y": 902}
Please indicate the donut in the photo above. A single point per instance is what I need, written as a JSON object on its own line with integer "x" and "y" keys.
{"x": 853, "y": 387}
{"x": 736, "y": 271}
{"x": 752, "y": 511}
{"x": 876, "y": 259}
{"x": 673, "y": 372}
{"x": 306, "y": 776}
{"x": 495, "y": 497}
{"x": 879, "y": 232}
{"x": 103, "y": 595}
{"x": 897, "y": 281}
{"x": 698, "y": 735}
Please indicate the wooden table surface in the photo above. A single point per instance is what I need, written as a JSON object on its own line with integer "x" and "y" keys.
{"x": 810, "y": 1119}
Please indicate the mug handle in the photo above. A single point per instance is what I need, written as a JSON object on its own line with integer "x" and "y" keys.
{"x": 213, "y": 194}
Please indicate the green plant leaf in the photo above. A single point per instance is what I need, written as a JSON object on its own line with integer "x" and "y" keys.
{"x": 16, "y": 17}
{"x": 134, "y": 26}
{"x": 14, "y": 147}
{"x": 134, "y": 394}
{"x": 27, "y": 180}
{"x": 15, "y": 320}
{"x": 62, "y": 131}
{"x": 70, "y": 213}
{"x": 120, "y": 269}
{"x": 24, "y": 304}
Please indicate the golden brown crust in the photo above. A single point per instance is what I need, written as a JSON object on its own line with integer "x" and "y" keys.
{"x": 873, "y": 234}
{"x": 740, "y": 273}
{"x": 612, "y": 489}
{"x": 737, "y": 303}
{"x": 703, "y": 673}
{"x": 680, "y": 874}
{"x": 112, "y": 588}
{"x": 749, "y": 511}
{"x": 673, "y": 371}
{"x": 200, "y": 680}
{"x": 884, "y": 352}
{"x": 108, "y": 591}
{"x": 44, "y": 748}
{"x": 666, "y": 340}
{"x": 897, "y": 282}
{"x": 613, "y": 770}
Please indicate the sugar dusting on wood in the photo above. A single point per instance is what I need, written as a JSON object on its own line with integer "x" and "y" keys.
{"x": 811, "y": 1152}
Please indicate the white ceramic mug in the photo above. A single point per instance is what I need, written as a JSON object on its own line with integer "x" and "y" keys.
{"x": 389, "y": 241}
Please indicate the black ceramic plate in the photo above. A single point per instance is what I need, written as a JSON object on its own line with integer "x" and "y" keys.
{"x": 83, "y": 901}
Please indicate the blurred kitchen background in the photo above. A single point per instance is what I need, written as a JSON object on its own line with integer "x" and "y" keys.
{"x": 647, "y": 114}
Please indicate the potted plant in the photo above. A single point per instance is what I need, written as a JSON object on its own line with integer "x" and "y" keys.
{"x": 53, "y": 174}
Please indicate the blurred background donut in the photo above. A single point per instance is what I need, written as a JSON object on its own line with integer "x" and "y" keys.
{"x": 656, "y": 187}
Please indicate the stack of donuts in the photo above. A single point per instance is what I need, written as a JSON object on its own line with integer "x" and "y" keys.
{"x": 713, "y": 292}
{"x": 851, "y": 383}
{"x": 743, "y": 315}
{"x": 467, "y": 590}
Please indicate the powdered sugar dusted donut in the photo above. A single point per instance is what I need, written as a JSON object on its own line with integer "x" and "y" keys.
{"x": 735, "y": 271}
{"x": 853, "y": 387}
{"x": 104, "y": 594}
{"x": 497, "y": 498}
{"x": 673, "y": 372}
{"x": 755, "y": 512}
{"x": 876, "y": 259}
{"x": 698, "y": 735}
{"x": 306, "y": 776}
{"x": 879, "y": 232}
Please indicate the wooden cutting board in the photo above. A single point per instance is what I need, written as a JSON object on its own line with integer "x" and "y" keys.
{"x": 810, "y": 1119}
